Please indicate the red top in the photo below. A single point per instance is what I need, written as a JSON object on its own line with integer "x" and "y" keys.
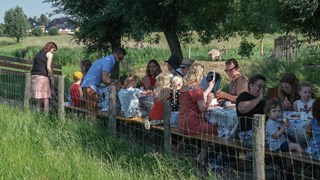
{"x": 191, "y": 119}
{"x": 156, "y": 112}
{"x": 75, "y": 94}
{"x": 152, "y": 81}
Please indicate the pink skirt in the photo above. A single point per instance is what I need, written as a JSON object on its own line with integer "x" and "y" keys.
{"x": 40, "y": 87}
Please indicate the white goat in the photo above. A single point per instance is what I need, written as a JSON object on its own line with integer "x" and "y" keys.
{"x": 216, "y": 54}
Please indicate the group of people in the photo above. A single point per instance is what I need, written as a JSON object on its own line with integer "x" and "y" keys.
{"x": 189, "y": 92}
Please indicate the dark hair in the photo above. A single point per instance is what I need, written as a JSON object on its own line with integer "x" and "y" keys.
{"x": 232, "y": 61}
{"x": 157, "y": 64}
{"x": 316, "y": 109}
{"x": 119, "y": 51}
{"x": 49, "y": 46}
{"x": 272, "y": 103}
{"x": 86, "y": 63}
{"x": 255, "y": 78}
{"x": 291, "y": 79}
{"x": 304, "y": 84}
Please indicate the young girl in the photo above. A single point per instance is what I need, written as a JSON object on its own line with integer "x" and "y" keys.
{"x": 176, "y": 84}
{"x": 313, "y": 130}
{"x": 275, "y": 128}
{"x": 288, "y": 91}
{"x": 160, "y": 94}
{"x": 306, "y": 101}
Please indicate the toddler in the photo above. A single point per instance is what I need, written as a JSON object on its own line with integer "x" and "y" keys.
{"x": 313, "y": 130}
{"x": 176, "y": 84}
{"x": 122, "y": 90}
{"x": 304, "y": 104}
{"x": 275, "y": 128}
{"x": 75, "y": 92}
{"x": 131, "y": 98}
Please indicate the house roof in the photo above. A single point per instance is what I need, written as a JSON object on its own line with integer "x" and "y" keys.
{"x": 60, "y": 23}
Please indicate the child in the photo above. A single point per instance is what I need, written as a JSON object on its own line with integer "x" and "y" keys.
{"x": 122, "y": 90}
{"x": 131, "y": 98}
{"x": 160, "y": 93}
{"x": 176, "y": 84}
{"x": 275, "y": 128}
{"x": 75, "y": 92}
{"x": 306, "y": 101}
{"x": 313, "y": 130}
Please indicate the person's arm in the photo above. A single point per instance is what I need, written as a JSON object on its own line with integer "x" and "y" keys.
{"x": 278, "y": 133}
{"x": 246, "y": 106}
{"x": 308, "y": 130}
{"x": 224, "y": 95}
{"x": 49, "y": 56}
{"x": 208, "y": 90}
{"x": 146, "y": 82}
{"x": 202, "y": 105}
{"x": 106, "y": 78}
{"x": 80, "y": 92}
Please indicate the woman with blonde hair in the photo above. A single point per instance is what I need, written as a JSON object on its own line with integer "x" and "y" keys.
{"x": 193, "y": 102}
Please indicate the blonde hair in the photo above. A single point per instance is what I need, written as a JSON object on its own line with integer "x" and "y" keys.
{"x": 195, "y": 74}
{"x": 130, "y": 79}
{"x": 176, "y": 81}
{"x": 162, "y": 90}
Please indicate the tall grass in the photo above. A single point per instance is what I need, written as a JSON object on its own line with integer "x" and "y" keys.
{"x": 35, "y": 146}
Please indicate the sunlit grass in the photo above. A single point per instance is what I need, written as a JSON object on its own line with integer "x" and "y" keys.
{"x": 35, "y": 146}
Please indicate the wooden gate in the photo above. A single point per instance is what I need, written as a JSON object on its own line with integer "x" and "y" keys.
{"x": 285, "y": 47}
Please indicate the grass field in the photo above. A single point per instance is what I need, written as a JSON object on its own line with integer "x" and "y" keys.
{"x": 35, "y": 146}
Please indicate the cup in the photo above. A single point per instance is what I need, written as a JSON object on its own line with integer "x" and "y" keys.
{"x": 214, "y": 101}
{"x": 228, "y": 103}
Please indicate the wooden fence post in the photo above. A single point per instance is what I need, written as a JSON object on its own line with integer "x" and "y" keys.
{"x": 61, "y": 97}
{"x": 112, "y": 123}
{"x": 166, "y": 125}
{"x": 259, "y": 146}
{"x": 26, "y": 97}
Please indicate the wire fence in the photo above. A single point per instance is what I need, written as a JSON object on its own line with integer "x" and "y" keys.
{"x": 225, "y": 155}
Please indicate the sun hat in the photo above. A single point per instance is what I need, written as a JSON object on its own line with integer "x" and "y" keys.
{"x": 186, "y": 62}
{"x": 174, "y": 61}
{"x": 77, "y": 75}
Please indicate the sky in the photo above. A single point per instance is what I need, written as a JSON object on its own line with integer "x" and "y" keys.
{"x": 30, "y": 7}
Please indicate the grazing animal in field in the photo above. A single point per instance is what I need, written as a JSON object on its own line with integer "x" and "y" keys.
{"x": 216, "y": 54}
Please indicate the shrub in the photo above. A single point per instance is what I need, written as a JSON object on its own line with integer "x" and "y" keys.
{"x": 53, "y": 31}
{"x": 246, "y": 48}
{"x": 37, "y": 31}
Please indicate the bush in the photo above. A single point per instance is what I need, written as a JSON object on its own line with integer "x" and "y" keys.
{"x": 53, "y": 31}
{"x": 246, "y": 48}
{"x": 37, "y": 31}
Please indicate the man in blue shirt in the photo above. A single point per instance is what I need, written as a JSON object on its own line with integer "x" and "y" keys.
{"x": 99, "y": 73}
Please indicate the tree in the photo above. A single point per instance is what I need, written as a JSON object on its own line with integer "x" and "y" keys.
{"x": 16, "y": 23}
{"x": 43, "y": 20}
{"x": 37, "y": 31}
{"x": 53, "y": 31}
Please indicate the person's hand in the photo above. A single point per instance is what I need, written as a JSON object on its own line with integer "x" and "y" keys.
{"x": 286, "y": 104}
{"x": 220, "y": 94}
{"x": 286, "y": 123}
{"x": 211, "y": 83}
{"x": 260, "y": 95}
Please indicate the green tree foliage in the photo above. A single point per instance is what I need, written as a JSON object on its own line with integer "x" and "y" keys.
{"x": 37, "y": 31}
{"x": 2, "y": 30}
{"x": 53, "y": 31}
{"x": 16, "y": 23}
{"x": 246, "y": 48}
{"x": 43, "y": 20}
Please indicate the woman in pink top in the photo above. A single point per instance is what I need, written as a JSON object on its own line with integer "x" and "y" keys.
{"x": 193, "y": 102}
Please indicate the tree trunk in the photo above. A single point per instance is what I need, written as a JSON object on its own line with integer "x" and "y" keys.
{"x": 173, "y": 42}
{"x": 18, "y": 40}
{"x": 261, "y": 47}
